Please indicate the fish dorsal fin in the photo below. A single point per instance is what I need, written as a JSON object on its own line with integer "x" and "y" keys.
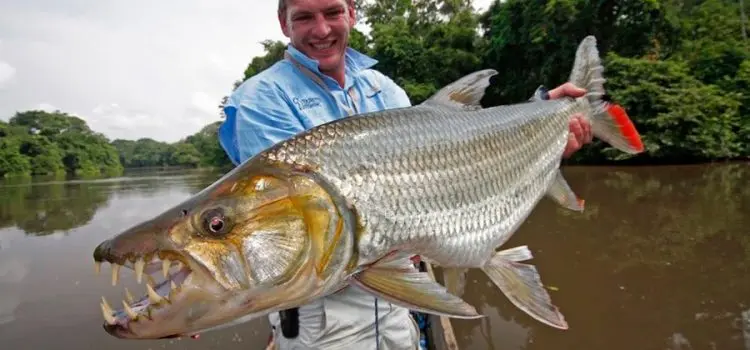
{"x": 464, "y": 93}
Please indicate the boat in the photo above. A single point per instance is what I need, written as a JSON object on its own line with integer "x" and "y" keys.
{"x": 439, "y": 330}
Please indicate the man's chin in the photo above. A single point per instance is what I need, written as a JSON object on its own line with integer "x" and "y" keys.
{"x": 329, "y": 65}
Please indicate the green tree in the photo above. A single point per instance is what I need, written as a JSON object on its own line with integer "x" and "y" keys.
{"x": 38, "y": 142}
{"x": 534, "y": 42}
{"x": 424, "y": 45}
{"x": 683, "y": 118}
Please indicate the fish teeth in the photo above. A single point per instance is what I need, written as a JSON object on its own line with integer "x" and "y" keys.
{"x": 165, "y": 264}
{"x": 129, "y": 297}
{"x": 131, "y": 313}
{"x": 173, "y": 292}
{"x": 139, "y": 265}
{"x": 115, "y": 274}
{"x": 153, "y": 297}
{"x": 107, "y": 312}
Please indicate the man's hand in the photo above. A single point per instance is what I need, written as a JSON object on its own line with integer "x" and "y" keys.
{"x": 580, "y": 129}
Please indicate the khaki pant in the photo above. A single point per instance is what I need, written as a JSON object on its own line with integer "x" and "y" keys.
{"x": 345, "y": 320}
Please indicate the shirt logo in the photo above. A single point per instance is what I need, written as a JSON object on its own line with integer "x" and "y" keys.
{"x": 307, "y": 103}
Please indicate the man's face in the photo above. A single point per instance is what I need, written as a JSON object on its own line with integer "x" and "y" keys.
{"x": 320, "y": 29}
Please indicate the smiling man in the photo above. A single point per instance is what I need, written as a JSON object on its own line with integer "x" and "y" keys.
{"x": 319, "y": 80}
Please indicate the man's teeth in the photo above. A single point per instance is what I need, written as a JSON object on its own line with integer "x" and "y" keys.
{"x": 133, "y": 311}
{"x": 323, "y": 46}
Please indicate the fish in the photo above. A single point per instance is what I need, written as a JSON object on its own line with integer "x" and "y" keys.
{"x": 347, "y": 202}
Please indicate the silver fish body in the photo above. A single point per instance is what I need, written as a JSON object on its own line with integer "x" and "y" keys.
{"x": 450, "y": 185}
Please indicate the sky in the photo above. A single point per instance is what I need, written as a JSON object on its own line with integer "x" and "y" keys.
{"x": 130, "y": 69}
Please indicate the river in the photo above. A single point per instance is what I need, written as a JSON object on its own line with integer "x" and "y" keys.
{"x": 659, "y": 260}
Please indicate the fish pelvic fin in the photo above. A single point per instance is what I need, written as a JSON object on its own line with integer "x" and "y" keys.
{"x": 522, "y": 285}
{"x": 609, "y": 121}
{"x": 408, "y": 287}
{"x": 561, "y": 193}
{"x": 464, "y": 93}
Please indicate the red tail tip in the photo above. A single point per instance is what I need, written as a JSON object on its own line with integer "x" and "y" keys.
{"x": 626, "y": 126}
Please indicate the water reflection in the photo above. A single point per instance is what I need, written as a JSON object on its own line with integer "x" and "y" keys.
{"x": 49, "y": 294}
{"x": 659, "y": 260}
{"x": 47, "y": 206}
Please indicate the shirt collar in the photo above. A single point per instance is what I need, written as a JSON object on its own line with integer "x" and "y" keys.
{"x": 355, "y": 62}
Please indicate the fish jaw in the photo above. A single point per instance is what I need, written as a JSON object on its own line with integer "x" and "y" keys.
{"x": 260, "y": 239}
{"x": 199, "y": 305}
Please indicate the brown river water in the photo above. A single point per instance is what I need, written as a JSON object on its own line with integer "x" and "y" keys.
{"x": 659, "y": 260}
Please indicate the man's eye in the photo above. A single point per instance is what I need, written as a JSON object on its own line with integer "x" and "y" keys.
{"x": 334, "y": 13}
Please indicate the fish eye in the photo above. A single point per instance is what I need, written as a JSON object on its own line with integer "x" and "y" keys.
{"x": 215, "y": 223}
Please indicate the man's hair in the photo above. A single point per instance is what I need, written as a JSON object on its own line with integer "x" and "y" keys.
{"x": 283, "y": 3}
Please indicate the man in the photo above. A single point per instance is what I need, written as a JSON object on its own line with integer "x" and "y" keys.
{"x": 321, "y": 79}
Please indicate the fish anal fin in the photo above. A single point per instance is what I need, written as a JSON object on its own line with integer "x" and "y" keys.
{"x": 464, "y": 93}
{"x": 561, "y": 193}
{"x": 414, "y": 290}
{"x": 516, "y": 254}
{"x": 454, "y": 279}
{"x": 522, "y": 285}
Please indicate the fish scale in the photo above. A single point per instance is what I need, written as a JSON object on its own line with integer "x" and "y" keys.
{"x": 407, "y": 192}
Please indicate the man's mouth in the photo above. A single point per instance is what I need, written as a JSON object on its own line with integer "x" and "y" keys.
{"x": 324, "y": 45}
{"x": 158, "y": 294}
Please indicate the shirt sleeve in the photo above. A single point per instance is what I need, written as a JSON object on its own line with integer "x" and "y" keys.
{"x": 257, "y": 117}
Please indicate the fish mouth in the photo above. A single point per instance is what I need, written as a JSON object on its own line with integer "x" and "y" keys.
{"x": 164, "y": 274}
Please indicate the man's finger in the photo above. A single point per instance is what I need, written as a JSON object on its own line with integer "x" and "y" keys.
{"x": 587, "y": 133}
{"x": 571, "y": 147}
{"x": 576, "y": 129}
{"x": 567, "y": 89}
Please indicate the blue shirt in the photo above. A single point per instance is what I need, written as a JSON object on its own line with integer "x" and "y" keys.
{"x": 282, "y": 101}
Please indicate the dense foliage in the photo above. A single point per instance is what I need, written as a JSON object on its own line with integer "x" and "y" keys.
{"x": 197, "y": 150}
{"x": 55, "y": 143}
{"x": 680, "y": 67}
{"x": 41, "y": 143}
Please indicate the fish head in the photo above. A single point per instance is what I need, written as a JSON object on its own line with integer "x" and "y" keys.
{"x": 256, "y": 241}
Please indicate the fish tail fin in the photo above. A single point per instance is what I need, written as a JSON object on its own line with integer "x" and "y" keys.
{"x": 609, "y": 121}
{"x": 522, "y": 285}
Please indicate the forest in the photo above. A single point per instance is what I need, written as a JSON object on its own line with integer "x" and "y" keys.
{"x": 681, "y": 68}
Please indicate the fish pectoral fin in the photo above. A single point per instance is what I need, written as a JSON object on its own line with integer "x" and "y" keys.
{"x": 464, "y": 93}
{"x": 454, "y": 279}
{"x": 522, "y": 285}
{"x": 415, "y": 290}
{"x": 561, "y": 193}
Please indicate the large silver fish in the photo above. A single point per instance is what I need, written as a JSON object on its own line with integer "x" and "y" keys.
{"x": 346, "y": 202}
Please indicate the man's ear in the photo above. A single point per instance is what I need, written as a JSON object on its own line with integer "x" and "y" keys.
{"x": 352, "y": 12}
{"x": 283, "y": 23}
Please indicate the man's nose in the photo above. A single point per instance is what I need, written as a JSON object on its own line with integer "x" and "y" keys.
{"x": 322, "y": 27}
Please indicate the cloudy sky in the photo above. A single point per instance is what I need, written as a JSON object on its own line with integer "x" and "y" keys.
{"x": 131, "y": 68}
